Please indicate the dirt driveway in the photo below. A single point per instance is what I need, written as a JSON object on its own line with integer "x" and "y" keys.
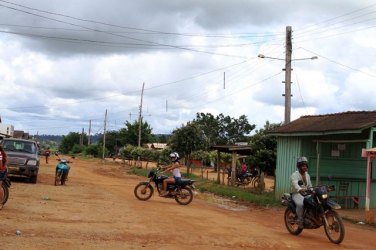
{"x": 97, "y": 210}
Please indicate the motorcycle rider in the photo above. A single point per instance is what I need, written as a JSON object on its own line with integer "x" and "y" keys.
{"x": 297, "y": 190}
{"x": 243, "y": 171}
{"x": 3, "y": 171}
{"x": 64, "y": 168}
{"x": 176, "y": 175}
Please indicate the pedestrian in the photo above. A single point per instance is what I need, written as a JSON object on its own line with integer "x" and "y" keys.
{"x": 3, "y": 172}
{"x": 47, "y": 153}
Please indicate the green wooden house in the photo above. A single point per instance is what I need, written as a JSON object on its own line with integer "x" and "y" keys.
{"x": 333, "y": 144}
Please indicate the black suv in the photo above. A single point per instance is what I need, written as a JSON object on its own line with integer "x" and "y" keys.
{"x": 23, "y": 157}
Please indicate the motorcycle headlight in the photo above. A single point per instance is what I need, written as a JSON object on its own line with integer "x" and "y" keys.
{"x": 324, "y": 196}
{"x": 32, "y": 162}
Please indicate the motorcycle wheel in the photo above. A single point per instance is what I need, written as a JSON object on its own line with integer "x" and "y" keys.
{"x": 184, "y": 196}
{"x": 63, "y": 179}
{"x": 248, "y": 181}
{"x": 291, "y": 222}
{"x": 255, "y": 182}
{"x": 143, "y": 191}
{"x": 335, "y": 231}
{"x": 6, "y": 193}
{"x": 57, "y": 178}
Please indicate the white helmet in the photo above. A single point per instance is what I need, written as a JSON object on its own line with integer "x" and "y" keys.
{"x": 302, "y": 161}
{"x": 174, "y": 157}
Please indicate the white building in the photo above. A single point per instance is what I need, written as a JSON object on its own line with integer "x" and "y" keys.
{"x": 6, "y": 130}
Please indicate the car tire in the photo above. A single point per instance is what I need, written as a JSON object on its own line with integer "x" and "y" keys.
{"x": 33, "y": 179}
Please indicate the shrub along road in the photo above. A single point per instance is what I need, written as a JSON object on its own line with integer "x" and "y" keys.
{"x": 97, "y": 210}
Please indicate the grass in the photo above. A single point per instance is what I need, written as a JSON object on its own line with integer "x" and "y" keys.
{"x": 241, "y": 194}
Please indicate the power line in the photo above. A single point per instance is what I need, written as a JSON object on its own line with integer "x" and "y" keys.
{"x": 125, "y": 45}
{"x": 338, "y": 63}
{"x": 119, "y": 35}
{"x": 148, "y": 31}
{"x": 333, "y": 18}
{"x": 300, "y": 92}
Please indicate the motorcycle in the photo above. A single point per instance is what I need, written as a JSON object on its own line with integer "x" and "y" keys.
{"x": 62, "y": 170}
{"x": 249, "y": 177}
{"x": 181, "y": 191}
{"x": 319, "y": 211}
{"x": 5, "y": 186}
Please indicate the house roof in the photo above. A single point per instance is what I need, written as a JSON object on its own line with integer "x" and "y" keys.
{"x": 240, "y": 149}
{"x": 346, "y": 122}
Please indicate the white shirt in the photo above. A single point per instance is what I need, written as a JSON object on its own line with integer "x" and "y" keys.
{"x": 176, "y": 171}
{"x": 295, "y": 178}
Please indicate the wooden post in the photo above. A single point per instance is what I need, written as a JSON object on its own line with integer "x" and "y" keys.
{"x": 223, "y": 176}
{"x": 233, "y": 169}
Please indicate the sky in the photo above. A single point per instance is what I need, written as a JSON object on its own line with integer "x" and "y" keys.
{"x": 64, "y": 63}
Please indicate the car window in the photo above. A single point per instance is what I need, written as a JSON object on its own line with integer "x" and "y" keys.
{"x": 20, "y": 146}
{"x": 9, "y": 145}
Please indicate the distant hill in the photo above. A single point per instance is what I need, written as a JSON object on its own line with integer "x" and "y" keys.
{"x": 54, "y": 138}
{"x": 58, "y": 138}
{"x": 162, "y": 138}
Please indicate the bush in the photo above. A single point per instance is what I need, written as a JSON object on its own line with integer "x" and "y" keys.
{"x": 77, "y": 149}
{"x": 93, "y": 150}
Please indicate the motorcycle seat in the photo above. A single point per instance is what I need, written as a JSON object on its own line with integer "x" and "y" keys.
{"x": 184, "y": 182}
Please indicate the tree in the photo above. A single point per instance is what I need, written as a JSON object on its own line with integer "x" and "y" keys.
{"x": 69, "y": 141}
{"x": 187, "y": 139}
{"x": 223, "y": 129}
{"x": 129, "y": 135}
{"x": 233, "y": 130}
{"x": 264, "y": 149}
{"x": 210, "y": 128}
{"x": 113, "y": 141}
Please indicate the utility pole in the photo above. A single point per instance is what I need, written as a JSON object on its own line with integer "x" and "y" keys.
{"x": 287, "y": 70}
{"x": 140, "y": 117}
{"x": 224, "y": 80}
{"x": 82, "y": 137}
{"x": 88, "y": 138}
{"x": 104, "y": 134}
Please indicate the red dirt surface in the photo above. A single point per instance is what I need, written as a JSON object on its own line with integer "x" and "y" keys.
{"x": 97, "y": 210}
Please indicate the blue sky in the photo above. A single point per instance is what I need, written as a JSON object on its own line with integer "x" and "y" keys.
{"x": 63, "y": 63}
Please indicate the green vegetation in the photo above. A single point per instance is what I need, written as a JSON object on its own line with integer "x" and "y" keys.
{"x": 247, "y": 195}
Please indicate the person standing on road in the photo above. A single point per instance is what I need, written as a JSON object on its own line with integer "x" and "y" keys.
{"x": 3, "y": 171}
{"x": 47, "y": 153}
{"x": 176, "y": 175}
{"x": 297, "y": 190}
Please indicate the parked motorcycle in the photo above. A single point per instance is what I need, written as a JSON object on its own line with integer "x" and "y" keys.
{"x": 181, "y": 192}
{"x": 250, "y": 177}
{"x": 319, "y": 211}
{"x": 5, "y": 186}
{"x": 62, "y": 170}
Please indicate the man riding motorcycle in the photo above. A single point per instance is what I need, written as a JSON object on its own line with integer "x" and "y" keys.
{"x": 297, "y": 190}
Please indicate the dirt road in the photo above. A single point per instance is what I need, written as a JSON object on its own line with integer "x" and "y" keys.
{"x": 97, "y": 210}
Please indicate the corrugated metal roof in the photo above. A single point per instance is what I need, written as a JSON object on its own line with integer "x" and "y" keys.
{"x": 246, "y": 150}
{"x": 329, "y": 123}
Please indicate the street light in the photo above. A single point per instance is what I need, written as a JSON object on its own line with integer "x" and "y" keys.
{"x": 287, "y": 81}
{"x": 275, "y": 58}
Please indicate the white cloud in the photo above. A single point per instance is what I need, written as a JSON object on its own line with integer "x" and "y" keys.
{"x": 66, "y": 74}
